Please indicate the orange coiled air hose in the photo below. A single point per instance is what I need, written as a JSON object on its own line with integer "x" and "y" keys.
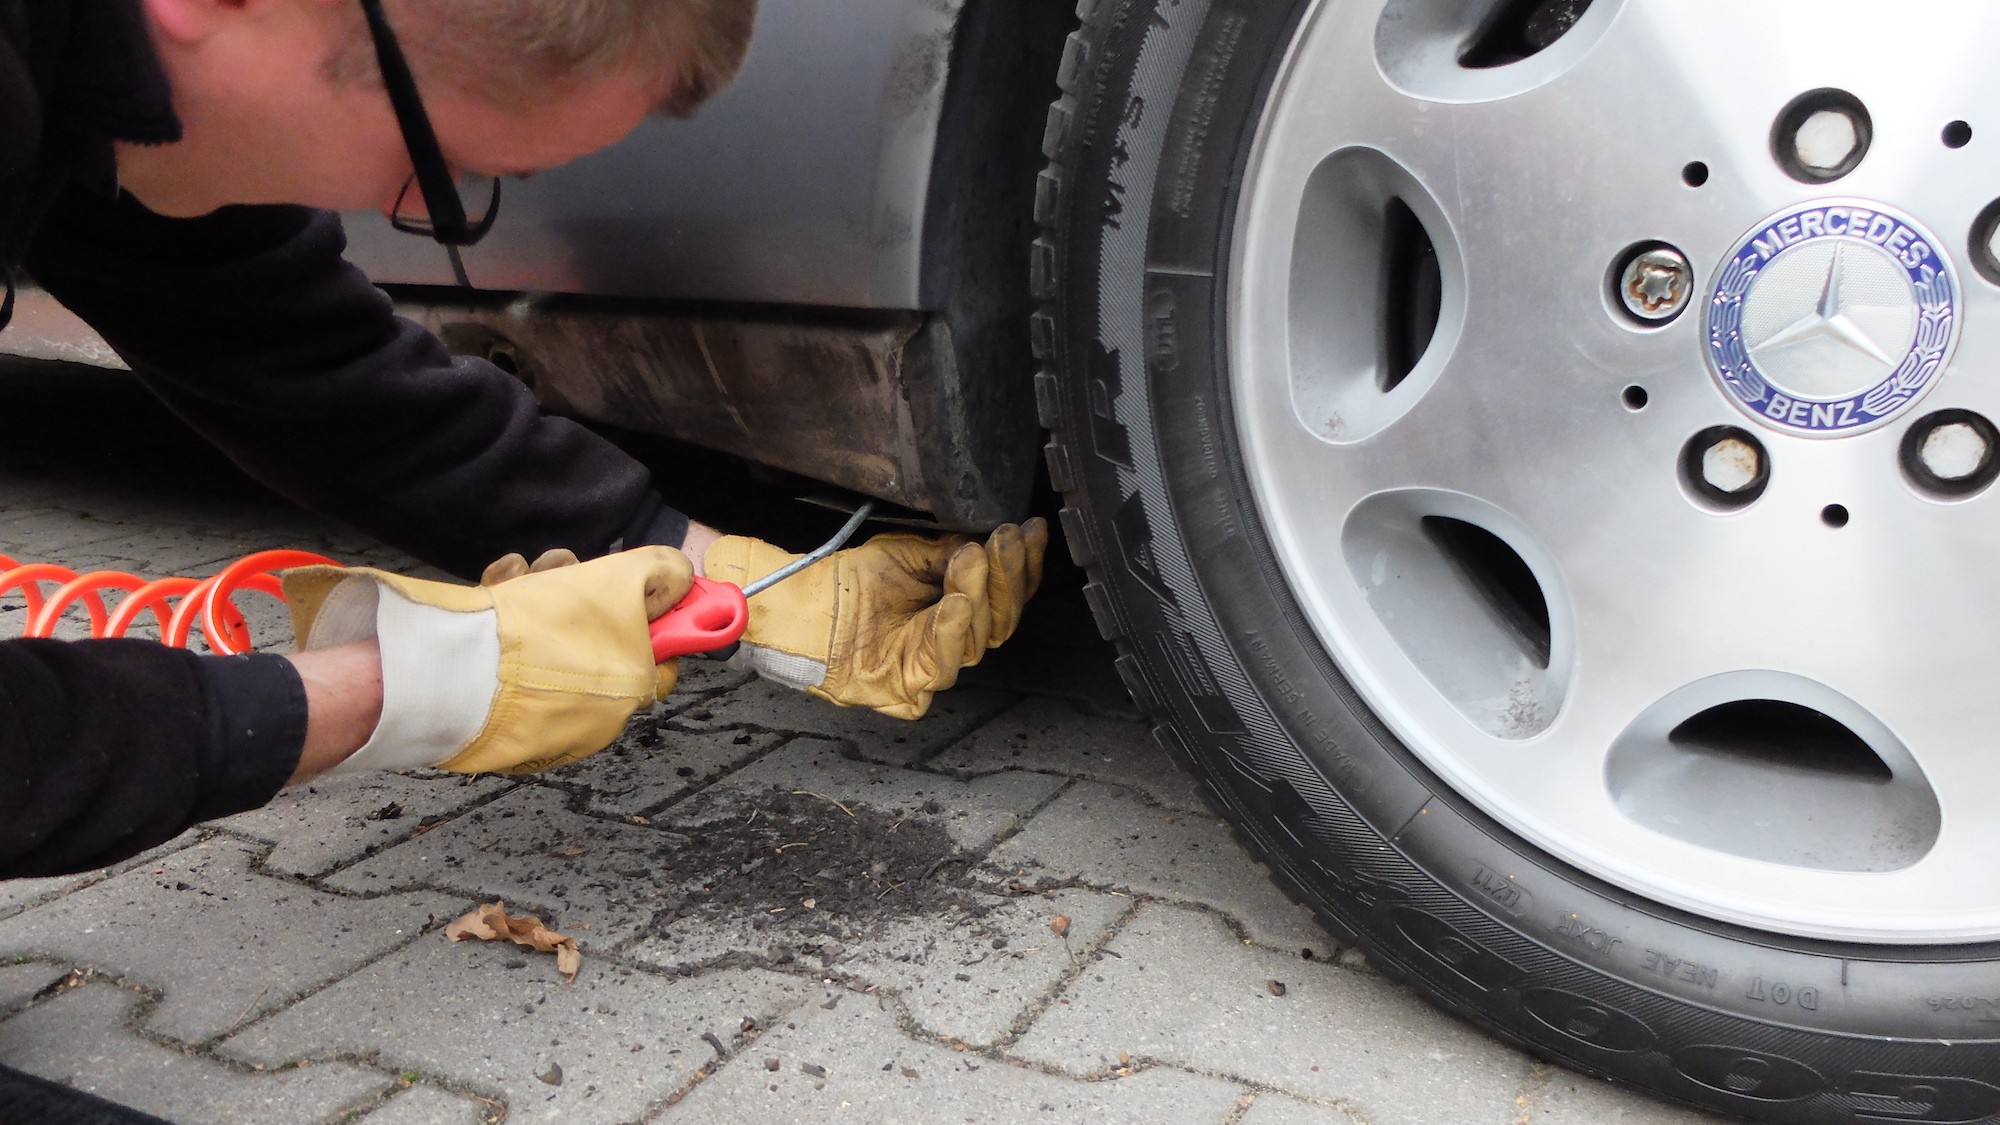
{"x": 207, "y": 600}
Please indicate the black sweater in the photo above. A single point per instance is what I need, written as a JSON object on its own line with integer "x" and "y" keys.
{"x": 252, "y": 327}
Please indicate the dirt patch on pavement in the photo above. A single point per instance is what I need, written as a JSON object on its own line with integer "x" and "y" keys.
{"x": 795, "y": 863}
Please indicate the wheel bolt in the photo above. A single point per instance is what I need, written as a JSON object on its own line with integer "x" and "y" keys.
{"x": 1655, "y": 284}
{"x": 1731, "y": 465}
{"x": 1826, "y": 139}
{"x": 1953, "y": 451}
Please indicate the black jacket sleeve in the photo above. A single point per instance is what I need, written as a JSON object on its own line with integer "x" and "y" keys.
{"x": 110, "y": 747}
{"x": 251, "y": 326}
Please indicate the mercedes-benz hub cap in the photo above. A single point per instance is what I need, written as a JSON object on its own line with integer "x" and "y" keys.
{"x": 1833, "y": 316}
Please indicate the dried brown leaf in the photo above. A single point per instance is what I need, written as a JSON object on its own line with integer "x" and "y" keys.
{"x": 491, "y": 922}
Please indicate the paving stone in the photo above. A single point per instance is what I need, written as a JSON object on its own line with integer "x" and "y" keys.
{"x": 428, "y": 1105}
{"x": 1565, "y": 1098}
{"x": 878, "y": 738}
{"x": 214, "y": 938}
{"x": 482, "y": 1015}
{"x": 852, "y": 1064}
{"x": 1186, "y": 992}
{"x": 597, "y": 880}
{"x": 649, "y": 767}
{"x": 317, "y": 827}
{"x": 80, "y": 1038}
{"x": 975, "y": 813}
{"x": 1054, "y": 736}
{"x": 700, "y": 678}
{"x": 19, "y": 894}
{"x": 1110, "y": 837}
{"x": 963, "y": 977}
{"x": 1277, "y": 1109}
{"x": 54, "y": 540}
{"x": 20, "y": 983}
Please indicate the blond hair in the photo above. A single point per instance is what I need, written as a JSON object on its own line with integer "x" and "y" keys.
{"x": 512, "y": 52}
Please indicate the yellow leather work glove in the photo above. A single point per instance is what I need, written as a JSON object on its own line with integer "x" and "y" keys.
{"x": 887, "y": 624}
{"x": 527, "y": 673}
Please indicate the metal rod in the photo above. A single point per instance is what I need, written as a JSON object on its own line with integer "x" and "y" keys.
{"x": 839, "y": 539}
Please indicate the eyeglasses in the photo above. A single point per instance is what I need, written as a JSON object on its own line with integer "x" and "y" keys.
{"x": 446, "y": 211}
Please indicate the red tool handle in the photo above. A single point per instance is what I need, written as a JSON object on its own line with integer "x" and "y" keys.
{"x": 710, "y": 617}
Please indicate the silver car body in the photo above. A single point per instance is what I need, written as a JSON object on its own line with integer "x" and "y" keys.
{"x": 823, "y": 271}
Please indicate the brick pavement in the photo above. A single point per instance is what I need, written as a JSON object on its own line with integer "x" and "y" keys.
{"x": 288, "y": 964}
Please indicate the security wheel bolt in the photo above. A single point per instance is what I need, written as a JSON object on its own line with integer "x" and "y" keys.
{"x": 1826, "y": 139}
{"x": 1822, "y": 135}
{"x": 1655, "y": 284}
{"x": 1951, "y": 454}
{"x": 1953, "y": 451}
{"x": 1731, "y": 465}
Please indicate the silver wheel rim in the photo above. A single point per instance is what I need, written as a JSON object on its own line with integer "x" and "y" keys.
{"x": 1768, "y": 711}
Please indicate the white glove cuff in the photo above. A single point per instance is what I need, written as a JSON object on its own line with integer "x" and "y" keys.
{"x": 790, "y": 669}
{"x": 440, "y": 673}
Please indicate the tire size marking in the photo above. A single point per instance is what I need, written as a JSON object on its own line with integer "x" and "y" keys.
{"x": 1682, "y": 969}
{"x": 1781, "y": 994}
{"x": 1579, "y": 930}
{"x": 1500, "y": 888}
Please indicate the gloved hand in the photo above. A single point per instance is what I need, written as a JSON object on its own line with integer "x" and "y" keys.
{"x": 526, "y": 673}
{"x": 887, "y": 624}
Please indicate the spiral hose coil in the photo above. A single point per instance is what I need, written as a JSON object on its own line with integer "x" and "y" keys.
{"x": 207, "y": 600}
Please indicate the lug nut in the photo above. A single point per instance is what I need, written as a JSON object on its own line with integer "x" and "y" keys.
{"x": 1731, "y": 465}
{"x": 1655, "y": 284}
{"x": 1953, "y": 451}
{"x": 1826, "y": 139}
{"x": 1821, "y": 135}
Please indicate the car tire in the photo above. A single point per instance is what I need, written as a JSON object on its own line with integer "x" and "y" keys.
{"x": 1149, "y": 147}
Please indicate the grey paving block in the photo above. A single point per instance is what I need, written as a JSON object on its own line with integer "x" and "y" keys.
{"x": 482, "y": 1015}
{"x": 54, "y": 539}
{"x": 1186, "y": 992}
{"x": 595, "y": 879}
{"x": 958, "y": 976}
{"x": 701, "y": 677}
{"x": 1277, "y": 1109}
{"x": 878, "y": 738}
{"x": 214, "y": 938}
{"x": 1054, "y": 736}
{"x": 317, "y": 827}
{"x": 19, "y": 894}
{"x": 1565, "y": 1098}
{"x": 16, "y": 894}
{"x": 852, "y": 1064}
{"x": 19, "y": 983}
{"x": 1109, "y": 837}
{"x": 975, "y": 813}
{"x": 650, "y": 767}
{"x": 80, "y": 1038}
{"x": 428, "y": 1105}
